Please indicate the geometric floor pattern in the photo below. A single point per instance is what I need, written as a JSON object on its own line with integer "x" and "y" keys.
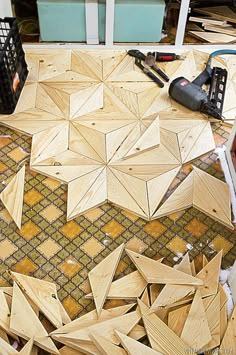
{"x": 94, "y": 118}
{"x": 51, "y": 248}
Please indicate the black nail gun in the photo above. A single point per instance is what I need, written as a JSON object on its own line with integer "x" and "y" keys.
{"x": 191, "y": 94}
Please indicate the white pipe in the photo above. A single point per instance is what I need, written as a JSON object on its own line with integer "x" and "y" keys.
{"x": 183, "y": 15}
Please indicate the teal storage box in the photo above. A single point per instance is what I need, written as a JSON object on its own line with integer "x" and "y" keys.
{"x": 134, "y": 20}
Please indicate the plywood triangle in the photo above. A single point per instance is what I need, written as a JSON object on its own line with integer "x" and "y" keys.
{"x": 213, "y": 319}
{"x": 177, "y": 319}
{"x": 130, "y": 286}
{"x": 85, "y": 101}
{"x": 69, "y": 351}
{"x": 43, "y": 294}
{"x": 229, "y": 339}
{"x": 4, "y": 336}
{"x": 180, "y": 199}
{"x": 7, "y": 349}
{"x": 124, "y": 323}
{"x": 133, "y": 347}
{"x": 46, "y": 102}
{"x": 53, "y": 64}
{"x": 110, "y": 63}
{"x": 210, "y": 276}
{"x": 170, "y": 141}
{"x": 82, "y": 67}
{"x": 105, "y": 347}
{"x": 196, "y": 332}
{"x": 27, "y": 348}
{"x": 12, "y": 196}
{"x": 173, "y": 293}
{"x": 101, "y": 276}
{"x": 219, "y": 12}
{"x": 128, "y": 97}
{"x": 60, "y": 98}
{"x": 26, "y": 324}
{"x": 154, "y": 272}
{"x": 145, "y": 297}
{"x": 161, "y": 337}
{"x": 79, "y": 188}
{"x": 212, "y": 197}
{"x": 93, "y": 61}
{"x": 4, "y": 315}
{"x": 149, "y": 139}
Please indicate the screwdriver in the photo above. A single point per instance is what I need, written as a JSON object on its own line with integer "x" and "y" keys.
{"x": 166, "y": 57}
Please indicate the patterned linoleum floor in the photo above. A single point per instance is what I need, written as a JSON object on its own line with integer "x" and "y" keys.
{"x": 51, "y": 248}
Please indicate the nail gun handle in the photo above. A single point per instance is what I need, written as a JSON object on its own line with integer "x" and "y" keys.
{"x": 203, "y": 77}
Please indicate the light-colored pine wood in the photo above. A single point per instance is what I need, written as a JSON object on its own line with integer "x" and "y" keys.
{"x": 207, "y": 20}
{"x": 101, "y": 276}
{"x": 173, "y": 293}
{"x": 105, "y": 347}
{"x": 223, "y": 295}
{"x": 133, "y": 347}
{"x": 43, "y": 294}
{"x": 196, "y": 330}
{"x": 138, "y": 332}
{"x": 6, "y": 348}
{"x": 154, "y": 272}
{"x": 232, "y": 283}
{"x": 177, "y": 319}
{"x": 229, "y": 339}
{"x": 221, "y": 29}
{"x": 127, "y": 287}
{"x": 223, "y": 321}
{"x": 213, "y": 37}
{"x": 155, "y": 290}
{"x": 210, "y": 276}
{"x": 218, "y": 12}
{"x": 64, "y": 315}
{"x": 69, "y": 351}
{"x": 161, "y": 337}
{"x": 4, "y": 336}
{"x": 4, "y": 316}
{"x": 27, "y": 349}
{"x": 25, "y": 323}
{"x": 213, "y": 319}
{"x": 12, "y": 196}
{"x": 124, "y": 323}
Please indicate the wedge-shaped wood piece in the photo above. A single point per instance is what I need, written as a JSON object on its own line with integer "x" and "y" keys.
{"x": 130, "y": 286}
{"x": 12, "y": 196}
{"x": 177, "y": 319}
{"x": 43, "y": 294}
{"x": 219, "y": 12}
{"x": 4, "y": 316}
{"x": 6, "y": 348}
{"x": 133, "y": 347}
{"x": 83, "y": 347}
{"x": 232, "y": 282}
{"x": 64, "y": 315}
{"x": 210, "y": 276}
{"x": 101, "y": 276}
{"x": 212, "y": 196}
{"x": 124, "y": 323}
{"x": 213, "y": 319}
{"x": 181, "y": 198}
{"x": 26, "y": 324}
{"x": 145, "y": 298}
{"x": 92, "y": 318}
{"x": 27, "y": 349}
{"x": 138, "y": 332}
{"x": 105, "y": 347}
{"x": 173, "y": 293}
{"x": 196, "y": 332}
{"x": 229, "y": 339}
{"x": 149, "y": 139}
{"x": 3, "y": 335}
{"x": 223, "y": 321}
{"x": 154, "y": 272}
{"x": 66, "y": 350}
{"x": 161, "y": 337}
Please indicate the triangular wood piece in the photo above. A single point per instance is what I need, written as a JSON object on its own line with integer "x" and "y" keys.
{"x": 85, "y": 101}
{"x": 145, "y": 298}
{"x": 64, "y": 315}
{"x": 229, "y": 339}
{"x": 4, "y": 316}
{"x": 149, "y": 139}
{"x": 3, "y": 335}
{"x": 124, "y": 323}
{"x": 180, "y": 199}
{"x": 105, "y": 347}
{"x": 161, "y": 337}
{"x": 43, "y": 294}
{"x": 196, "y": 332}
{"x": 212, "y": 196}
{"x": 6, "y": 348}
{"x": 173, "y": 293}
{"x": 101, "y": 276}
{"x": 69, "y": 351}
{"x": 219, "y": 12}
{"x": 154, "y": 272}
{"x": 133, "y": 347}
{"x": 12, "y": 196}
{"x": 177, "y": 319}
{"x": 130, "y": 286}
{"x": 81, "y": 64}
{"x": 223, "y": 321}
{"x": 138, "y": 332}
{"x": 27, "y": 348}
{"x": 210, "y": 276}
{"x": 26, "y": 324}
{"x": 213, "y": 319}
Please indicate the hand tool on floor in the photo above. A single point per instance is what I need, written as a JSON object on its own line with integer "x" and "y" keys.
{"x": 149, "y": 73}
{"x": 139, "y": 55}
{"x": 191, "y": 94}
{"x": 165, "y": 57}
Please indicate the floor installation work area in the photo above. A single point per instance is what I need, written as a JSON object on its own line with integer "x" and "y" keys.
{"x": 115, "y": 213}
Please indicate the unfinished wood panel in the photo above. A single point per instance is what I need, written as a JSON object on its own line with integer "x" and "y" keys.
{"x": 145, "y": 298}
{"x": 12, "y": 196}
{"x": 133, "y": 347}
{"x": 27, "y": 349}
{"x": 6, "y": 348}
{"x": 196, "y": 330}
{"x": 232, "y": 282}
{"x": 4, "y": 336}
{"x": 177, "y": 319}
{"x": 155, "y": 272}
{"x": 138, "y": 332}
{"x": 161, "y": 337}
{"x": 229, "y": 339}
{"x": 101, "y": 276}
{"x": 65, "y": 350}
{"x": 105, "y": 347}
{"x": 223, "y": 13}
{"x": 25, "y": 323}
{"x": 43, "y": 294}
{"x": 4, "y": 316}
{"x": 223, "y": 321}
{"x": 213, "y": 37}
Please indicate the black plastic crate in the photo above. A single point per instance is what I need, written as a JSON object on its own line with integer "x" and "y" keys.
{"x": 13, "y": 67}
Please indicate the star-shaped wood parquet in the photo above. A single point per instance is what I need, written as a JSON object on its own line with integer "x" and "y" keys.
{"x": 103, "y": 127}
